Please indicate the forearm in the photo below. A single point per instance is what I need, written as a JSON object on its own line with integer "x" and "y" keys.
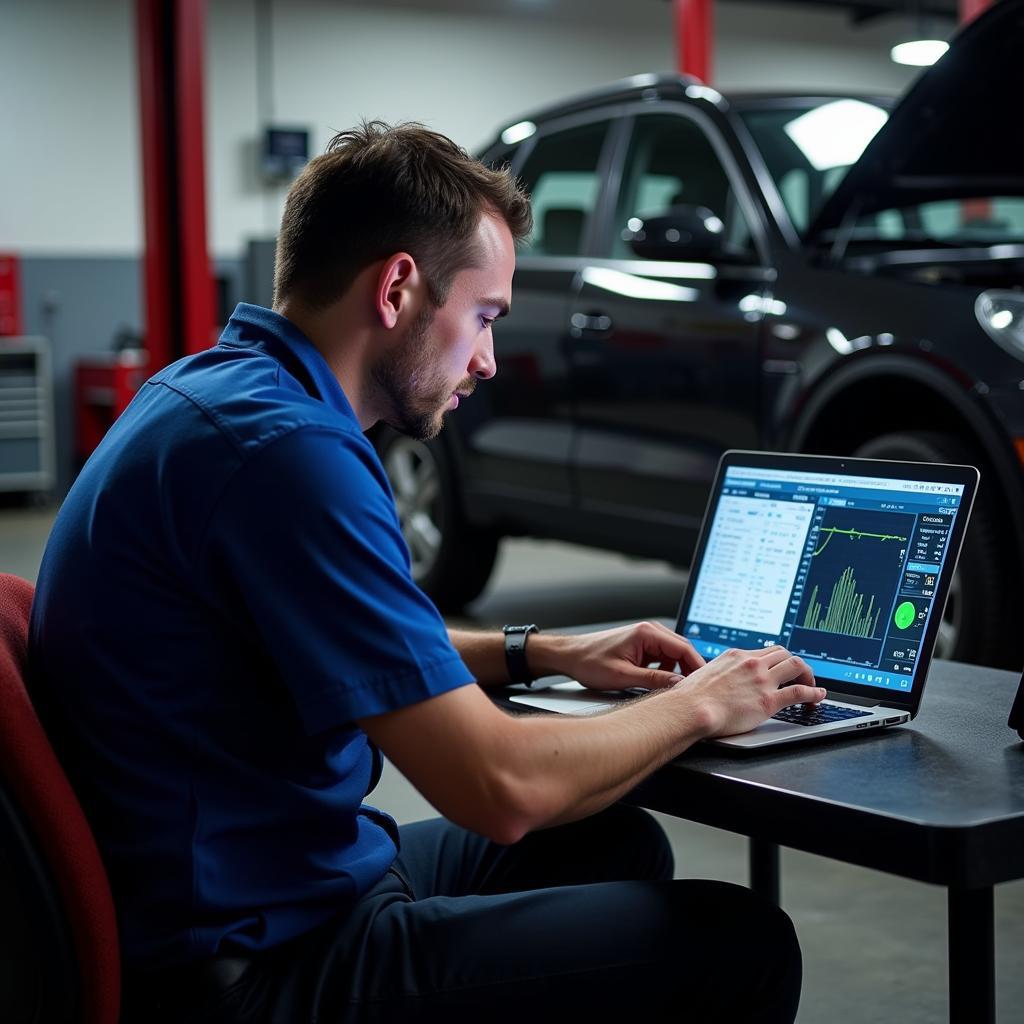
{"x": 484, "y": 654}
{"x": 504, "y": 775}
{"x": 568, "y": 767}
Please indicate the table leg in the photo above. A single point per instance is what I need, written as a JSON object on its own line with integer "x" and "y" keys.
{"x": 972, "y": 969}
{"x": 764, "y": 869}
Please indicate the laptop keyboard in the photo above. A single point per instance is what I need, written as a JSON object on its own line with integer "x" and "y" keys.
{"x": 818, "y": 714}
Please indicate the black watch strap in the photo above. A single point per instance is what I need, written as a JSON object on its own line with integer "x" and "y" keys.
{"x": 515, "y": 652}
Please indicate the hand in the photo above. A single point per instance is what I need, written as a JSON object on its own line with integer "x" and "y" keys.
{"x": 740, "y": 689}
{"x": 617, "y": 659}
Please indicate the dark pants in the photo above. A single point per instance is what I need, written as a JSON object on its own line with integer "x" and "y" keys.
{"x": 578, "y": 920}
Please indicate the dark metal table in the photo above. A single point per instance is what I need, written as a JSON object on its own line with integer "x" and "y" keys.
{"x": 940, "y": 800}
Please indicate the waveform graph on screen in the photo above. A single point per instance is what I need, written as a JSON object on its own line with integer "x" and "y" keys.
{"x": 854, "y": 572}
{"x": 845, "y": 611}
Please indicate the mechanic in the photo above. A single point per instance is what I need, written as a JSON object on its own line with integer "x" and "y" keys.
{"x": 226, "y": 636}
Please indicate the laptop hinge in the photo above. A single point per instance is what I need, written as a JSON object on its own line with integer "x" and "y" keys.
{"x": 849, "y": 698}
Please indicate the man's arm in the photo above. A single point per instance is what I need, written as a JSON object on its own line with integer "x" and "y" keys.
{"x": 613, "y": 659}
{"x": 504, "y": 776}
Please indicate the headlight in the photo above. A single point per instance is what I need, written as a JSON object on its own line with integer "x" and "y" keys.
{"x": 1001, "y": 314}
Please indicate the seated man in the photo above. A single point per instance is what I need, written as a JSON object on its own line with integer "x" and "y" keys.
{"x": 226, "y": 636}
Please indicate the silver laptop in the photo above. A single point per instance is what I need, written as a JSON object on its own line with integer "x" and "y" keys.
{"x": 846, "y": 562}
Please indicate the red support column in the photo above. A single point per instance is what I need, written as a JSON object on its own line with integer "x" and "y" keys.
{"x": 157, "y": 189}
{"x": 970, "y": 9}
{"x": 196, "y": 279}
{"x": 694, "y": 32}
{"x": 180, "y": 308}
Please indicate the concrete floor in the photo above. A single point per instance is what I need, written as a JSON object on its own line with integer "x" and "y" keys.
{"x": 874, "y": 946}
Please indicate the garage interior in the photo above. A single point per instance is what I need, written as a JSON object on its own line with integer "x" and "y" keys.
{"x": 75, "y": 224}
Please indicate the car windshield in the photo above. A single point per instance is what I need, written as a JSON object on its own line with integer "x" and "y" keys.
{"x": 809, "y": 144}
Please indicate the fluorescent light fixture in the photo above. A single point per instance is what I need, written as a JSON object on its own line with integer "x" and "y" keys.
{"x": 517, "y": 132}
{"x": 637, "y": 287}
{"x": 919, "y": 53}
{"x": 835, "y": 134}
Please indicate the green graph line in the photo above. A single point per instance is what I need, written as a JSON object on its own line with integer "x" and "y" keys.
{"x": 846, "y": 613}
{"x": 832, "y": 530}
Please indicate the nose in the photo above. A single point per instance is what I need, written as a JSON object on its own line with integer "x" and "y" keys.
{"x": 483, "y": 365}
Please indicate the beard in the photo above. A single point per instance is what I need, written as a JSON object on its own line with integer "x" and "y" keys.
{"x": 415, "y": 392}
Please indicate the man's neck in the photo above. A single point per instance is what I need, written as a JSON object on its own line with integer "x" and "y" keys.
{"x": 344, "y": 349}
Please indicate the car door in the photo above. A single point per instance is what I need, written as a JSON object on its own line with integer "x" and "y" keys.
{"x": 520, "y": 433}
{"x": 665, "y": 352}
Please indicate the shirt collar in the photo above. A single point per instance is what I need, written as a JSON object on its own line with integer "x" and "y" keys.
{"x": 252, "y": 326}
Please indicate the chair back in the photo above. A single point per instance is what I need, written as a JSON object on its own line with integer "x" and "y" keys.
{"x": 65, "y": 965}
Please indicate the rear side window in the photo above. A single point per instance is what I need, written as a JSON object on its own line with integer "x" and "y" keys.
{"x": 561, "y": 177}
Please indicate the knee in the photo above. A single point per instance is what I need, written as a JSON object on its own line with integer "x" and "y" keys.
{"x": 758, "y": 933}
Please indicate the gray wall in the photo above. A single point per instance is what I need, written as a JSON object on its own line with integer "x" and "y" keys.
{"x": 81, "y": 304}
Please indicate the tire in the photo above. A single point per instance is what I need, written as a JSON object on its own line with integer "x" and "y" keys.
{"x": 452, "y": 559}
{"x": 980, "y": 621}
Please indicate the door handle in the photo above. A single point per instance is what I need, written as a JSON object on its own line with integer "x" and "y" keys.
{"x": 589, "y": 323}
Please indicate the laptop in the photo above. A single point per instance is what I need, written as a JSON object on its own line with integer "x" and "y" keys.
{"x": 845, "y": 562}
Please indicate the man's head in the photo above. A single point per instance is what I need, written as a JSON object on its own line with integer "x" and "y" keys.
{"x": 378, "y": 195}
{"x": 379, "y": 190}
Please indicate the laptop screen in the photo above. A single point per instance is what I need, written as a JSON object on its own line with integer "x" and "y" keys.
{"x": 844, "y": 562}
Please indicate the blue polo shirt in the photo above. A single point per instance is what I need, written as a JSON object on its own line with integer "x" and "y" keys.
{"x": 225, "y": 591}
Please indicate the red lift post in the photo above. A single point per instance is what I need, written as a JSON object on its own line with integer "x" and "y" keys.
{"x": 694, "y": 34}
{"x": 179, "y": 289}
{"x": 180, "y": 308}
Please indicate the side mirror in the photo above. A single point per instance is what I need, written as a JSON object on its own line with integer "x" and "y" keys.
{"x": 683, "y": 232}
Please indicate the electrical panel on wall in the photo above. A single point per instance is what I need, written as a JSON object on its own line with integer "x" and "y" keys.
{"x": 285, "y": 151}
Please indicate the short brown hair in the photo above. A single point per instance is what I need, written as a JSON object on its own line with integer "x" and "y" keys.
{"x": 381, "y": 189}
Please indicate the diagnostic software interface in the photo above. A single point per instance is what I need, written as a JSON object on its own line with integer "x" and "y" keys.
{"x": 841, "y": 570}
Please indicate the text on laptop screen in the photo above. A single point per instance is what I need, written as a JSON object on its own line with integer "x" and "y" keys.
{"x": 837, "y": 568}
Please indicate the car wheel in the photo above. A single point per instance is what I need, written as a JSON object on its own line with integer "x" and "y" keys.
{"x": 978, "y": 622}
{"x": 451, "y": 559}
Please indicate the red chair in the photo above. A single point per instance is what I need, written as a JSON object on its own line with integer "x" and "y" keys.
{"x": 59, "y": 958}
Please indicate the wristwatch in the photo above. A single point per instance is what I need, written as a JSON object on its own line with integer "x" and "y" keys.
{"x": 515, "y": 652}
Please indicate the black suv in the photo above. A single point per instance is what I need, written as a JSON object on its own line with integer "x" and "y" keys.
{"x": 710, "y": 272}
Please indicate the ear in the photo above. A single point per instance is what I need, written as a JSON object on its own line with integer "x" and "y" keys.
{"x": 398, "y": 286}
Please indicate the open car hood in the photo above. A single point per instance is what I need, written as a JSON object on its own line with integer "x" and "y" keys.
{"x": 957, "y": 133}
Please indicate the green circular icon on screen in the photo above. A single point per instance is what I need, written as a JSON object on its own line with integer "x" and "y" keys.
{"x": 905, "y": 615}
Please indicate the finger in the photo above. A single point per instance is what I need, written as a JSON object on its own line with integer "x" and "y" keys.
{"x": 791, "y": 669}
{"x": 771, "y": 652}
{"x": 796, "y": 694}
{"x": 673, "y": 648}
{"x": 654, "y": 679}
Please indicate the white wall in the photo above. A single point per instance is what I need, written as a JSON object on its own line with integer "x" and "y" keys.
{"x": 70, "y": 179}
{"x": 70, "y": 173}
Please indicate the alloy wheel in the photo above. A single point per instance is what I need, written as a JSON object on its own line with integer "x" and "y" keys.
{"x": 416, "y": 482}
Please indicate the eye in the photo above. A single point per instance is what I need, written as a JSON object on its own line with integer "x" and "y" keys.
{"x": 486, "y": 321}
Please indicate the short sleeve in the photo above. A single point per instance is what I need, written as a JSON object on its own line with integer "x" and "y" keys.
{"x": 307, "y": 541}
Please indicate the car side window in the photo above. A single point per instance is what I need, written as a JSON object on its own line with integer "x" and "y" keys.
{"x": 561, "y": 177}
{"x": 671, "y": 162}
